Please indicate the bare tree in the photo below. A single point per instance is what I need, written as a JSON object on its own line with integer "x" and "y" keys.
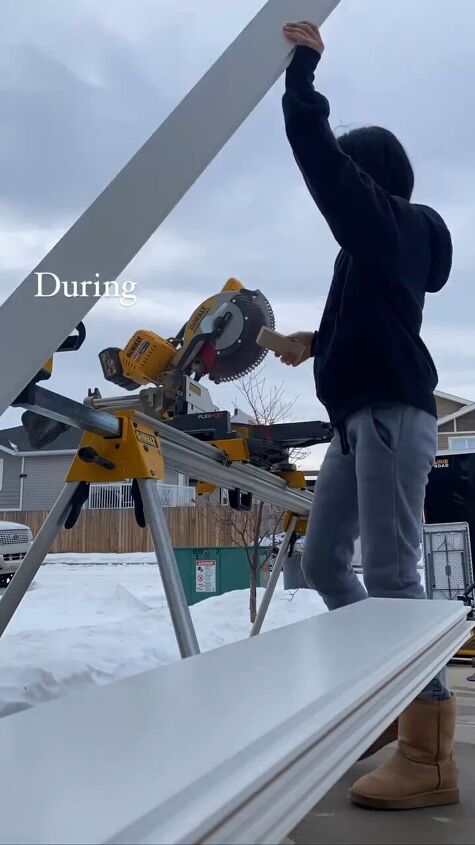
{"x": 265, "y": 401}
{"x": 267, "y": 405}
{"x": 254, "y": 531}
{"x": 268, "y": 520}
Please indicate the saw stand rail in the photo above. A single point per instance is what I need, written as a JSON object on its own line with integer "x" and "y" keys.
{"x": 128, "y": 445}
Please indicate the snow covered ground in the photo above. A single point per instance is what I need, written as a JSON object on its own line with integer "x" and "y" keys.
{"x": 92, "y": 619}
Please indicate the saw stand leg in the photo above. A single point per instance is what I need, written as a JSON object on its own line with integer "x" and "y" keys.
{"x": 179, "y": 610}
{"x": 153, "y": 511}
{"x": 274, "y": 577}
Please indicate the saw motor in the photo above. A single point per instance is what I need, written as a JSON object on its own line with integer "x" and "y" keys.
{"x": 219, "y": 341}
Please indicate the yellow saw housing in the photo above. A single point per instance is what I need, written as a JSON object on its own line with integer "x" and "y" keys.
{"x": 146, "y": 356}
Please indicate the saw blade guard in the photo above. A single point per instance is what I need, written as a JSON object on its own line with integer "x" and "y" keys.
{"x": 237, "y": 350}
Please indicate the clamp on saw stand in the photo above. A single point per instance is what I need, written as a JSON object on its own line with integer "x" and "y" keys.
{"x": 131, "y": 438}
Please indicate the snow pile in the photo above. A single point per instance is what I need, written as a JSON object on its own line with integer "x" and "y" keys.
{"x": 99, "y": 558}
{"x": 89, "y": 624}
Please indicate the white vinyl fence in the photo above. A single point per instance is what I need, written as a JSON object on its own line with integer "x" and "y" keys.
{"x": 119, "y": 495}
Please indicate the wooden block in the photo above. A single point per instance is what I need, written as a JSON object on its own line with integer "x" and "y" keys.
{"x": 279, "y": 343}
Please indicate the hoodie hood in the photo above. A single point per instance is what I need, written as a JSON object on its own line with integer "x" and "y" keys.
{"x": 441, "y": 250}
{"x": 379, "y": 153}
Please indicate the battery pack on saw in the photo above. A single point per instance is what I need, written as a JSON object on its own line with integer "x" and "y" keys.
{"x": 142, "y": 361}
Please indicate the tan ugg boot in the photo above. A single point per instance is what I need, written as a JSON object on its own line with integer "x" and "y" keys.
{"x": 387, "y": 737}
{"x": 422, "y": 772}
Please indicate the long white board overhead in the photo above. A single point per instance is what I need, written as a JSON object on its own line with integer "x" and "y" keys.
{"x": 124, "y": 216}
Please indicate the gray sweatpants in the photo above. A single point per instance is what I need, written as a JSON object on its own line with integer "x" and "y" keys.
{"x": 376, "y": 492}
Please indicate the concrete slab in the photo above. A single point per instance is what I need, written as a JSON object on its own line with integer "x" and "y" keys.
{"x": 334, "y": 821}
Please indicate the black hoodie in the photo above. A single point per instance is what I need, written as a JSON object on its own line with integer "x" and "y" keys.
{"x": 368, "y": 349}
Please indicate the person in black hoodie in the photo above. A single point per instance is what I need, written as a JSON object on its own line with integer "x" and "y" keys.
{"x": 376, "y": 378}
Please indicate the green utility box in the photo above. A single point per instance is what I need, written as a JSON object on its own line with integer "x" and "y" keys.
{"x": 209, "y": 572}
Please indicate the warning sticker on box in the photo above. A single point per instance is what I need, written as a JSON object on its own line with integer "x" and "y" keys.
{"x": 205, "y": 576}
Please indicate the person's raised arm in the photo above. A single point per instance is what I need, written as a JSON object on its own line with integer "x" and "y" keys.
{"x": 362, "y": 216}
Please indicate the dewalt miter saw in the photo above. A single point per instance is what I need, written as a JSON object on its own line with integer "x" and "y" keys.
{"x": 223, "y": 339}
{"x": 219, "y": 341}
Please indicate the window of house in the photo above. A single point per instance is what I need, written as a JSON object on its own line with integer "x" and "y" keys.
{"x": 461, "y": 444}
{"x": 1, "y": 473}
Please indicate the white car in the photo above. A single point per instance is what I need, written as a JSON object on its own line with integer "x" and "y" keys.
{"x": 15, "y": 540}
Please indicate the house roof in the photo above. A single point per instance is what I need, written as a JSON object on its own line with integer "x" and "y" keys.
{"x": 456, "y": 414}
{"x": 17, "y": 436}
{"x": 452, "y": 398}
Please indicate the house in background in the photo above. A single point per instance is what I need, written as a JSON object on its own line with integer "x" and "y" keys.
{"x": 31, "y": 479}
{"x": 455, "y": 422}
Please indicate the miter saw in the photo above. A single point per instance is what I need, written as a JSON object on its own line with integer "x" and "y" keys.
{"x": 219, "y": 341}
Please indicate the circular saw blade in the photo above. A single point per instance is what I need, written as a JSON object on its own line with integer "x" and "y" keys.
{"x": 242, "y": 354}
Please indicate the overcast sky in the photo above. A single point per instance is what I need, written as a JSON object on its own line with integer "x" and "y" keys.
{"x": 83, "y": 83}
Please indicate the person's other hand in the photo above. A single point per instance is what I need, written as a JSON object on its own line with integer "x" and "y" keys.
{"x": 293, "y": 360}
{"x": 305, "y": 34}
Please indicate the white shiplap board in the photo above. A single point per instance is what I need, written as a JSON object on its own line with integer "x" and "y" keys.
{"x": 196, "y": 751}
